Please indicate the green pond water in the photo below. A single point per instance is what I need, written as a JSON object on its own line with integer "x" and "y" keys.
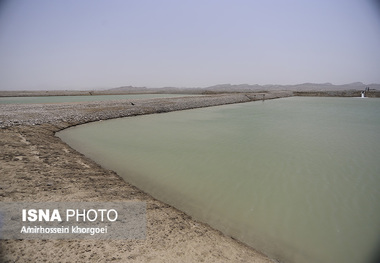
{"x": 296, "y": 178}
{"x": 61, "y": 99}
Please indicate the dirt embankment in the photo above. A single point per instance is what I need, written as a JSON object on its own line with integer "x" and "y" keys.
{"x": 37, "y": 166}
{"x": 338, "y": 93}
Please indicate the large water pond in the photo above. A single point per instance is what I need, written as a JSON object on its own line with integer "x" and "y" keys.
{"x": 62, "y": 99}
{"x": 296, "y": 178}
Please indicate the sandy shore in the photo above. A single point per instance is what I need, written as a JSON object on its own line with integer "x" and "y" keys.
{"x": 35, "y": 165}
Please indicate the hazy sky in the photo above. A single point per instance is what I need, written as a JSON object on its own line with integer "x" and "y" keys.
{"x": 71, "y": 44}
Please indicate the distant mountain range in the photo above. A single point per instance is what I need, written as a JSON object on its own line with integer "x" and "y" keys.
{"x": 306, "y": 89}
{"x": 223, "y": 88}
